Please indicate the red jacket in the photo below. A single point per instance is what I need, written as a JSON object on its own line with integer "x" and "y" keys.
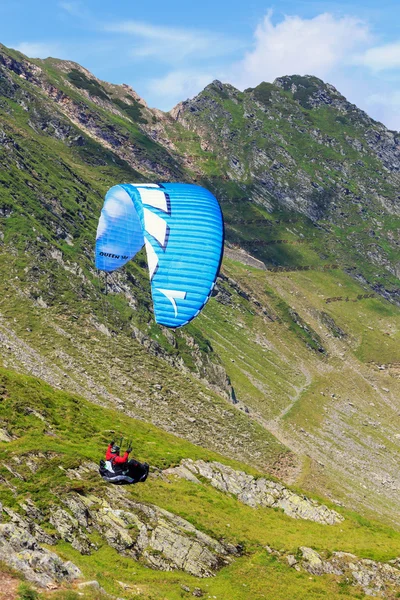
{"x": 116, "y": 458}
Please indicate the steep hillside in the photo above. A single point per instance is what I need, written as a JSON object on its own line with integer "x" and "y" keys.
{"x": 240, "y": 536}
{"x": 293, "y": 366}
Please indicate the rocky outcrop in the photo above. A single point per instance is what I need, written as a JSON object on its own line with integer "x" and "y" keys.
{"x": 143, "y": 532}
{"x": 68, "y": 529}
{"x": 5, "y": 436}
{"x": 373, "y": 577}
{"x": 244, "y": 257}
{"x": 256, "y": 492}
{"x": 20, "y": 550}
{"x": 30, "y": 524}
{"x": 147, "y": 533}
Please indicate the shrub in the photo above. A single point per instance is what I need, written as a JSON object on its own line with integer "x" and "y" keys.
{"x": 80, "y": 81}
{"x": 132, "y": 110}
{"x": 26, "y": 592}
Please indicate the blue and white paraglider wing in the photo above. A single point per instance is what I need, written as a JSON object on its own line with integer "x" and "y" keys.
{"x": 119, "y": 232}
{"x": 183, "y": 232}
{"x": 181, "y": 227}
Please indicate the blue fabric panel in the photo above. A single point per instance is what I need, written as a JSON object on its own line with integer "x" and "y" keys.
{"x": 181, "y": 225}
{"x": 119, "y": 232}
{"x": 188, "y": 262}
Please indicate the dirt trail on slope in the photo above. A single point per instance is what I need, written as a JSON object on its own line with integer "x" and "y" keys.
{"x": 8, "y": 587}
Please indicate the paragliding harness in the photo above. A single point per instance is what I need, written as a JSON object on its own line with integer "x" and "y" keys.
{"x": 123, "y": 474}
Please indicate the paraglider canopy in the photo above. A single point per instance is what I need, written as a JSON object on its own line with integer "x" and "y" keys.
{"x": 181, "y": 227}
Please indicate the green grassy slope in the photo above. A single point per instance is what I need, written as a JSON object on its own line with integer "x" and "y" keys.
{"x": 69, "y": 431}
{"x": 338, "y": 407}
{"x": 271, "y": 355}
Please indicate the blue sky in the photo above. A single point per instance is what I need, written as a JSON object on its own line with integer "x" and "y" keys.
{"x": 169, "y": 51}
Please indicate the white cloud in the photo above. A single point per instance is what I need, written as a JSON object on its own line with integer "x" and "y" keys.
{"x": 177, "y": 86}
{"x": 380, "y": 58}
{"x": 388, "y": 99}
{"x": 386, "y": 107}
{"x": 300, "y": 46}
{"x": 75, "y": 9}
{"x": 153, "y": 32}
{"x": 173, "y": 44}
{"x": 37, "y": 49}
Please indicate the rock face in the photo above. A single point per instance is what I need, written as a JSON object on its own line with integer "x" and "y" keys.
{"x": 373, "y": 577}
{"x": 21, "y": 551}
{"x": 4, "y": 436}
{"x": 68, "y": 528}
{"x": 144, "y": 532}
{"x": 257, "y": 492}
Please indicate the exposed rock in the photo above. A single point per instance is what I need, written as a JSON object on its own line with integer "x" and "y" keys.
{"x": 373, "y": 577}
{"x": 332, "y": 326}
{"x": 291, "y": 560}
{"x": 312, "y": 561}
{"x": 4, "y": 436}
{"x": 147, "y": 533}
{"x": 32, "y": 510}
{"x": 155, "y": 536}
{"x": 20, "y": 550}
{"x": 258, "y": 492}
{"x": 183, "y": 472}
{"x": 31, "y": 527}
{"x": 244, "y": 257}
{"x": 69, "y": 530}
{"x": 315, "y": 338}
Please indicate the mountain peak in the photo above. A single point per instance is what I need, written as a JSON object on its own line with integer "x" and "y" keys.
{"x": 309, "y": 91}
{"x": 298, "y": 80}
{"x": 224, "y": 89}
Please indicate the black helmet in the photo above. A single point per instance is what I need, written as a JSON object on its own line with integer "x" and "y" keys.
{"x": 115, "y": 448}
